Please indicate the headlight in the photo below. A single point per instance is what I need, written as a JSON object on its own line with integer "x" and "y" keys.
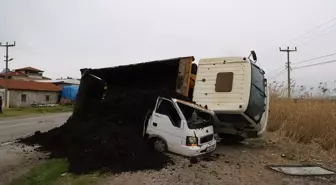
{"x": 191, "y": 141}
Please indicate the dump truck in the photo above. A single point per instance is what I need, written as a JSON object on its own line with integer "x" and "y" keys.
{"x": 181, "y": 105}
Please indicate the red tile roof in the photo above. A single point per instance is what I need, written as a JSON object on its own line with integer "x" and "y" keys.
{"x": 12, "y": 73}
{"x": 29, "y": 85}
{"x": 28, "y": 69}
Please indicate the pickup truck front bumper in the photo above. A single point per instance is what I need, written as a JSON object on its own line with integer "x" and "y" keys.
{"x": 193, "y": 151}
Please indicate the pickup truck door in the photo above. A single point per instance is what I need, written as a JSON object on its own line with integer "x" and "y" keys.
{"x": 166, "y": 123}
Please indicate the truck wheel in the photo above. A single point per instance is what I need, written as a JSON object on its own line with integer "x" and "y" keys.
{"x": 231, "y": 139}
{"x": 159, "y": 145}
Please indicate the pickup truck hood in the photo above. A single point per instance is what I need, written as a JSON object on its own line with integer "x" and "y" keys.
{"x": 201, "y": 132}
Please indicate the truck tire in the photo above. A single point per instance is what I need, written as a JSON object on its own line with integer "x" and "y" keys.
{"x": 159, "y": 145}
{"x": 231, "y": 139}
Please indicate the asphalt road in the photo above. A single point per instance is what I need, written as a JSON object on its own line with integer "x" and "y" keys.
{"x": 14, "y": 128}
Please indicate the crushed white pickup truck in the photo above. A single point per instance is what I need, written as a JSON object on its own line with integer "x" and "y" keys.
{"x": 180, "y": 127}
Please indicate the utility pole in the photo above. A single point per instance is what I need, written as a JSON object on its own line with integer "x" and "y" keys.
{"x": 288, "y": 68}
{"x": 6, "y": 70}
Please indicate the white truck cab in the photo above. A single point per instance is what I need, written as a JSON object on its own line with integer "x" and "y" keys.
{"x": 235, "y": 88}
{"x": 180, "y": 127}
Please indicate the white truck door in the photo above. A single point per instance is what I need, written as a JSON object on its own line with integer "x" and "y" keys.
{"x": 166, "y": 123}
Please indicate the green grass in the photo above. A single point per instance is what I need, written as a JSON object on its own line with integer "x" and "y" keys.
{"x": 89, "y": 179}
{"x": 45, "y": 173}
{"x": 15, "y": 112}
{"x": 54, "y": 172}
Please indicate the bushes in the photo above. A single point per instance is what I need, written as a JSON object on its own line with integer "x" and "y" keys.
{"x": 305, "y": 120}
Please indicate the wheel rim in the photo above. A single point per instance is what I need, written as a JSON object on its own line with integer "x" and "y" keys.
{"x": 159, "y": 146}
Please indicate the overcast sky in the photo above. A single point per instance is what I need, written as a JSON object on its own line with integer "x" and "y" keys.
{"x": 62, "y": 36}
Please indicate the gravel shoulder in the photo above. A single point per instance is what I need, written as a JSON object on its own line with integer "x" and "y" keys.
{"x": 15, "y": 160}
{"x": 239, "y": 164}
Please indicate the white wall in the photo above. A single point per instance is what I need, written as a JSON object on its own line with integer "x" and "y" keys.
{"x": 32, "y": 97}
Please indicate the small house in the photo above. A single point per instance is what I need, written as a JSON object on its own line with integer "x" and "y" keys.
{"x": 22, "y": 93}
{"x": 26, "y": 73}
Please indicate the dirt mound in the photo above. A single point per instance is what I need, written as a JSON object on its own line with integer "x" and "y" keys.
{"x": 104, "y": 132}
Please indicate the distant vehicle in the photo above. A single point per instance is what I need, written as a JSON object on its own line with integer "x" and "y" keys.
{"x": 42, "y": 105}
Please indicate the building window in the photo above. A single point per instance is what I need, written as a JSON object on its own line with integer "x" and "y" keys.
{"x": 23, "y": 98}
{"x": 47, "y": 98}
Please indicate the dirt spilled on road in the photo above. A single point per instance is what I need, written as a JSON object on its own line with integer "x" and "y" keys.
{"x": 105, "y": 131}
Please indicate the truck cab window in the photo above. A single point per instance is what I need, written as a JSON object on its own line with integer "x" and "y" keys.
{"x": 258, "y": 79}
{"x": 168, "y": 109}
{"x": 224, "y": 81}
{"x": 256, "y": 106}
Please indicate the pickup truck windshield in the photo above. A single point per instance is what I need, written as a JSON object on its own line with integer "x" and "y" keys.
{"x": 195, "y": 118}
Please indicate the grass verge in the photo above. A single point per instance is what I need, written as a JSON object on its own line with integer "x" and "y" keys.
{"x": 305, "y": 120}
{"x": 54, "y": 172}
{"x": 15, "y": 112}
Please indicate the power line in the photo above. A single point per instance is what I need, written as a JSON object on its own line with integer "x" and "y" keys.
{"x": 307, "y": 37}
{"x": 314, "y": 58}
{"x": 277, "y": 75}
{"x": 317, "y": 36}
{"x": 277, "y": 69}
{"x": 316, "y": 64}
{"x": 315, "y": 28}
{"x": 307, "y": 32}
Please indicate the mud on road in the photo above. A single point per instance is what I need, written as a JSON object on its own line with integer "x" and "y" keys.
{"x": 239, "y": 164}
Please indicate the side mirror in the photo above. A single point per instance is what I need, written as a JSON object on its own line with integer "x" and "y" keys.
{"x": 254, "y": 55}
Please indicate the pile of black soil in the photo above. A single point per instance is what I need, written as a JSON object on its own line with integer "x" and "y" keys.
{"x": 105, "y": 131}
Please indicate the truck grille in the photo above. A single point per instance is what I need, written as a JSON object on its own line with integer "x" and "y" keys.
{"x": 206, "y": 138}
